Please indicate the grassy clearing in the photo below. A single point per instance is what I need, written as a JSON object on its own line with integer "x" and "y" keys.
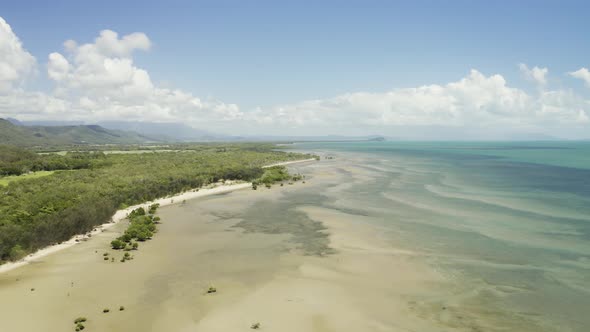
{"x": 4, "y": 181}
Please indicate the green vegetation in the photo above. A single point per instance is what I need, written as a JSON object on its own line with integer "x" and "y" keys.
{"x": 36, "y": 212}
{"x": 7, "y": 179}
{"x": 79, "y": 323}
{"x": 273, "y": 175}
{"x": 17, "y": 253}
{"x": 118, "y": 244}
{"x": 16, "y": 161}
{"x": 255, "y": 326}
{"x": 80, "y": 320}
{"x": 126, "y": 257}
{"x": 142, "y": 227}
{"x": 211, "y": 290}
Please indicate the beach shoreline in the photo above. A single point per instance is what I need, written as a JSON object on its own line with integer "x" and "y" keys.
{"x": 285, "y": 163}
{"x": 121, "y": 215}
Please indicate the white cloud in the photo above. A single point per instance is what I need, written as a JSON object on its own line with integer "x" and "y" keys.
{"x": 476, "y": 100}
{"x": 109, "y": 44}
{"x": 58, "y": 67}
{"x": 535, "y": 74}
{"x": 105, "y": 66}
{"x": 583, "y": 117}
{"x": 582, "y": 74}
{"x": 33, "y": 106}
{"x": 15, "y": 62}
{"x": 103, "y": 79}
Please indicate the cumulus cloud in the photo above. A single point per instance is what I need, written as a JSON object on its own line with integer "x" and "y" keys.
{"x": 535, "y": 74}
{"x": 99, "y": 81}
{"x": 105, "y": 66}
{"x": 475, "y": 100}
{"x": 109, "y": 44}
{"x": 15, "y": 62}
{"x": 582, "y": 74}
{"x": 103, "y": 83}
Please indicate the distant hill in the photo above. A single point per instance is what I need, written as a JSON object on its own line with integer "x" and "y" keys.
{"x": 165, "y": 131}
{"x": 180, "y": 132}
{"x": 65, "y": 135}
{"x": 169, "y": 132}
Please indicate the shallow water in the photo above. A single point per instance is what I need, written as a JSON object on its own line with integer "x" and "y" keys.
{"x": 509, "y": 222}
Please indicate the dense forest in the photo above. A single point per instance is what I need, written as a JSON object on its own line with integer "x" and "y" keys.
{"x": 16, "y": 161}
{"x": 88, "y": 187}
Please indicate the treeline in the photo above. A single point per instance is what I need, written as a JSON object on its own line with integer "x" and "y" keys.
{"x": 38, "y": 212}
{"x": 17, "y": 161}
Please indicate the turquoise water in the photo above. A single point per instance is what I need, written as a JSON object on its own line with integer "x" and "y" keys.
{"x": 509, "y": 220}
{"x": 574, "y": 154}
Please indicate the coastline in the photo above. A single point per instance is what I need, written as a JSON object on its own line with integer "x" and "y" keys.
{"x": 389, "y": 265}
{"x": 285, "y": 163}
{"x": 120, "y": 215}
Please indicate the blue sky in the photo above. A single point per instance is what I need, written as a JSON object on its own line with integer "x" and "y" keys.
{"x": 268, "y": 53}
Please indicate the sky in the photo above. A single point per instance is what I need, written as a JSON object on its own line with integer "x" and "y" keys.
{"x": 407, "y": 69}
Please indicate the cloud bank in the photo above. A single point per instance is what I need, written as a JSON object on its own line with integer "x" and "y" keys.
{"x": 99, "y": 81}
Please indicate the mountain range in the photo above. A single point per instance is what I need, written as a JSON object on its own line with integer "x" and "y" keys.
{"x": 76, "y": 132}
{"x": 15, "y": 134}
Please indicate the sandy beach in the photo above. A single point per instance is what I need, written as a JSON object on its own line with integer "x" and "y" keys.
{"x": 285, "y": 163}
